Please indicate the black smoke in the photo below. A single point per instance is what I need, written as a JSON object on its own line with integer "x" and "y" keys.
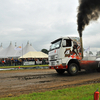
{"x": 88, "y": 10}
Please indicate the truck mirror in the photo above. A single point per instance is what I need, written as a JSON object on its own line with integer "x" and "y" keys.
{"x": 64, "y": 43}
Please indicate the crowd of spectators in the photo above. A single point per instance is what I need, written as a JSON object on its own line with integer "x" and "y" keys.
{"x": 15, "y": 62}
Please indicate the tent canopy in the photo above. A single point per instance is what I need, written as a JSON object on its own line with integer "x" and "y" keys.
{"x": 13, "y": 51}
{"x": 9, "y": 52}
{"x": 34, "y": 54}
{"x": 27, "y": 48}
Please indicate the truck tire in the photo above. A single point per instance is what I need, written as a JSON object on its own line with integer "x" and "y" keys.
{"x": 60, "y": 71}
{"x": 98, "y": 70}
{"x": 73, "y": 69}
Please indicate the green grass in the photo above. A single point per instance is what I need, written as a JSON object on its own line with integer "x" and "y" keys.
{"x": 22, "y": 66}
{"x": 75, "y": 93}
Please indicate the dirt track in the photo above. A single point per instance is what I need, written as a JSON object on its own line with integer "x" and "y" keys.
{"x": 18, "y": 82}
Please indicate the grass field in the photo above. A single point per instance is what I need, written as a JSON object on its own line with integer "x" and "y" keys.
{"x": 75, "y": 93}
{"x": 22, "y": 66}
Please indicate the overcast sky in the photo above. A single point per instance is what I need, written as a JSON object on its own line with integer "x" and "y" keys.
{"x": 42, "y": 21}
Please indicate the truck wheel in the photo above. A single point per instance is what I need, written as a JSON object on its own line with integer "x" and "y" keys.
{"x": 60, "y": 71}
{"x": 73, "y": 69}
{"x": 98, "y": 70}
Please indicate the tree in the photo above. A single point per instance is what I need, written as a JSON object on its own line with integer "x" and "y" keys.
{"x": 45, "y": 51}
{"x": 90, "y": 52}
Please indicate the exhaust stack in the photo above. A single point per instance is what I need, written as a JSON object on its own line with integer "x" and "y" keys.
{"x": 81, "y": 43}
{"x": 81, "y": 47}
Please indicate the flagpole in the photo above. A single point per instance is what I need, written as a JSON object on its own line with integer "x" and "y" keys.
{"x": 89, "y": 50}
{"x": 22, "y": 51}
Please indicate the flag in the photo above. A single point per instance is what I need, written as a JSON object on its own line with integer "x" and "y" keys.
{"x": 18, "y": 48}
{"x": 87, "y": 49}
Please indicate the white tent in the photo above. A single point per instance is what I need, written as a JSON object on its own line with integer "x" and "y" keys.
{"x": 9, "y": 52}
{"x": 34, "y": 54}
{"x": 1, "y": 48}
{"x": 27, "y": 48}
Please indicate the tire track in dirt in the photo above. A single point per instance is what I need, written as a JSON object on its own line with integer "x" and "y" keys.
{"x": 23, "y": 82}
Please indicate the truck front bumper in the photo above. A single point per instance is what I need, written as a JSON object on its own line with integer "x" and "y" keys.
{"x": 58, "y": 67}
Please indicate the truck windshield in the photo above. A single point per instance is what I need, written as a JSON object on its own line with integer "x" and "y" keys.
{"x": 55, "y": 44}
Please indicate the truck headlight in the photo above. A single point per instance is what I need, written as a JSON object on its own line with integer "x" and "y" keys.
{"x": 56, "y": 56}
{"x": 57, "y": 62}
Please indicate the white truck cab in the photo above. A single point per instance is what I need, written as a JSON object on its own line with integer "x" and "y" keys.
{"x": 65, "y": 55}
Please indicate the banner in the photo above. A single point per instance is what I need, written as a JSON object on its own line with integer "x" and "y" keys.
{"x": 18, "y": 48}
{"x": 29, "y": 63}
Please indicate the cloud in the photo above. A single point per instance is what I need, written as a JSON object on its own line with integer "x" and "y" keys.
{"x": 42, "y": 21}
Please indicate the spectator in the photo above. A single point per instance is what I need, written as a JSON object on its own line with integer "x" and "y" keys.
{"x": 3, "y": 62}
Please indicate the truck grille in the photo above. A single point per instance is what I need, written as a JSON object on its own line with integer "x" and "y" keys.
{"x": 52, "y": 63}
{"x": 52, "y": 57}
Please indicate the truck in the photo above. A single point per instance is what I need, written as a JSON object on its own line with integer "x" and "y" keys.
{"x": 65, "y": 54}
